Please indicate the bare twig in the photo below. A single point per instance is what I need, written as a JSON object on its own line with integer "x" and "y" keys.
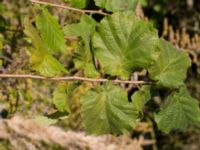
{"x": 70, "y": 78}
{"x": 71, "y": 38}
{"x": 70, "y": 8}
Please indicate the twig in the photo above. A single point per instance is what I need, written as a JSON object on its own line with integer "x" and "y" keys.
{"x": 71, "y": 38}
{"x": 70, "y": 8}
{"x": 70, "y": 78}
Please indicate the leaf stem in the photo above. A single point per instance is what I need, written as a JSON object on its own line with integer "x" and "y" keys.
{"x": 71, "y": 8}
{"x": 71, "y": 78}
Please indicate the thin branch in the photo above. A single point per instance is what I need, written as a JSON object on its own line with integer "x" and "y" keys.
{"x": 71, "y": 38}
{"x": 71, "y": 8}
{"x": 70, "y": 78}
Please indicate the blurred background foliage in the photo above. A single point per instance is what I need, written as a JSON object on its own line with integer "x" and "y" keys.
{"x": 176, "y": 20}
{"x": 181, "y": 13}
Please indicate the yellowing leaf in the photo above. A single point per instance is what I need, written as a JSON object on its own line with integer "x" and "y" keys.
{"x": 46, "y": 64}
{"x": 33, "y": 34}
{"x": 51, "y": 33}
{"x": 40, "y": 59}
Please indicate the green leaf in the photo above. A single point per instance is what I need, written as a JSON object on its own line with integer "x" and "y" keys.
{"x": 63, "y": 96}
{"x": 60, "y": 98}
{"x": 144, "y": 3}
{"x": 141, "y": 97}
{"x": 83, "y": 61}
{"x": 45, "y": 120}
{"x": 117, "y": 5}
{"x": 83, "y": 58}
{"x": 106, "y": 109}
{"x": 123, "y": 43}
{"x": 1, "y": 47}
{"x": 46, "y": 64}
{"x": 51, "y": 33}
{"x": 180, "y": 111}
{"x": 2, "y": 8}
{"x": 84, "y": 28}
{"x": 1, "y": 42}
{"x": 79, "y": 3}
{"x": 171, "y": 67}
